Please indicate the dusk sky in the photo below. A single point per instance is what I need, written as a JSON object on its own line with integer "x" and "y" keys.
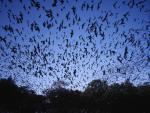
{"x": 75, "y": 41}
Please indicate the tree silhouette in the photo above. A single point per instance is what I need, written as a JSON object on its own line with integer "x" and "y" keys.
{"x": 98, "y": 97}
{"x": 17, "y": 99}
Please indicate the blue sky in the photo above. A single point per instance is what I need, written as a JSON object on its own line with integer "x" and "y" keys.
{"x": 109, "y": 42}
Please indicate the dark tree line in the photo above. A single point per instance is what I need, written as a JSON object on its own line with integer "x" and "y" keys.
{"x": 98, "y": 97}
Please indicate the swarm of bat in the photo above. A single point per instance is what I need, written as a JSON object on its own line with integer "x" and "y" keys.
{"x": 75, "y": 41}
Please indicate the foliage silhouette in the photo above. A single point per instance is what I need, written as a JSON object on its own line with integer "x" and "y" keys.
{"x": 98, "y": 97}
{"x": 17, "y": 99}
